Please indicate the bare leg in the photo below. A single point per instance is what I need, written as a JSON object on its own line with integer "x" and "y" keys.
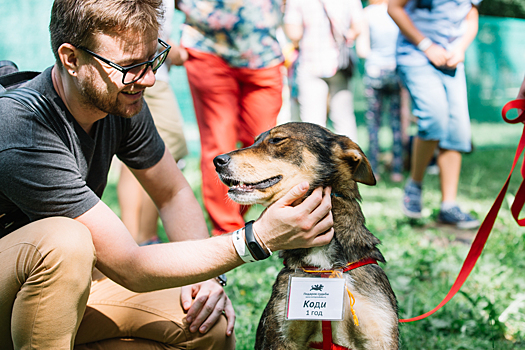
{"x": 449, "y": 163}
{"x": 138, "y": 212}
{"x": 422, "y": 152}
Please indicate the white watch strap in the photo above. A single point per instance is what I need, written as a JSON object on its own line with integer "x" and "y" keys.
{"x": 240, "y": 246}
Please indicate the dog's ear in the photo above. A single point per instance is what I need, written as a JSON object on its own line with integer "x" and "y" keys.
{"x": 356, "y": 159}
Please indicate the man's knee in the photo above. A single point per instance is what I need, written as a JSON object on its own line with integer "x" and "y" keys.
{"x": 67, "y": 245}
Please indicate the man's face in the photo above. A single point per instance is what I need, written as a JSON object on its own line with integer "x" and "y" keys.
{"x": 101, "y": 85}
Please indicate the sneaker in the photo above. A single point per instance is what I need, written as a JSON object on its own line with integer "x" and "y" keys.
{"x": 412, "y": 201}
{"x": 454, "y": 216}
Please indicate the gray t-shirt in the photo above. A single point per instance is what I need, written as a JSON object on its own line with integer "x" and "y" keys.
{"x": 41, "y": 176}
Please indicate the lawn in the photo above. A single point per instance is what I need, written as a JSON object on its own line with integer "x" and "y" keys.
{"x": 423, "y": 257}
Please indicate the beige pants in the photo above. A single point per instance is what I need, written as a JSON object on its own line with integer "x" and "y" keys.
{"x": 45, "y": 283}
{"x": 167, "y": 117}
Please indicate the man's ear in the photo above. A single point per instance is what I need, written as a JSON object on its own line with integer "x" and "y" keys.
{"x": 68, "y": 55}
{"x": 355, "y": 158}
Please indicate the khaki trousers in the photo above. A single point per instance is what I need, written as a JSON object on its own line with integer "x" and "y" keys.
{"x": 167, "y": 116}
{"x": 45, "y": 285}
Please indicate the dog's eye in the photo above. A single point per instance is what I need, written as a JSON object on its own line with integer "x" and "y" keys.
{"x": 276, "y": 140}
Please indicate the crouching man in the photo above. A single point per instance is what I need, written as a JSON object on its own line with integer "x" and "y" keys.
{"x": 55, "y": 229}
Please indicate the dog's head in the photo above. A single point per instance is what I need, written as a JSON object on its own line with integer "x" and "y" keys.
{"x": 288, "y": 155}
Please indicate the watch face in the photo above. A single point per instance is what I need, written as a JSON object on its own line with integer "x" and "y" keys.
{"x": 222, "y": 279}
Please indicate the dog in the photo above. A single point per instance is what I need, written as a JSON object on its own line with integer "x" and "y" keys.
{"x": 262, "y": 173}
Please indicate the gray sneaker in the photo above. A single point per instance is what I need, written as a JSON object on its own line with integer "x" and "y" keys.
{"x": 454, "y": 216}
{"x": 412, "y": 201}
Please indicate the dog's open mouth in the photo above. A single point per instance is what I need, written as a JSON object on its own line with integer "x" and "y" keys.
{"x": 239, "y": 186}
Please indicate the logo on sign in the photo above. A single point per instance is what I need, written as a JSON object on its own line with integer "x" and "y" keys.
{"x": 317, "y": 287}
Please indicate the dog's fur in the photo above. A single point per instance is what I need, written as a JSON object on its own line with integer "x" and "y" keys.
{"x": 262, "y": 173}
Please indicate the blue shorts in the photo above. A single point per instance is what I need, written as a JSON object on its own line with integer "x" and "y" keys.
{"x": 439, "y": 101}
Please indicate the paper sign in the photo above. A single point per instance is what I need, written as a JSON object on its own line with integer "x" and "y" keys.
{"x": 311, "y": 298}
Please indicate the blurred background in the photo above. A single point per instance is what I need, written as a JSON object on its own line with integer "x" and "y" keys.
{"x": 495, "y": 62}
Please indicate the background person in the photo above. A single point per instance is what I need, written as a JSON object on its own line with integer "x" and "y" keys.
{"x": 377, "y": 44}
{"x": 317, "y": 27}
{"x": 233, "y": 62}
{"x": 56, "y": 228}
{"x": 430, "y": 55}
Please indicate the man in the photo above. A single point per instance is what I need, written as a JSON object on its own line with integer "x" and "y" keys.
{"x": 56, "y": 228}
{"x": 430, "y": 55}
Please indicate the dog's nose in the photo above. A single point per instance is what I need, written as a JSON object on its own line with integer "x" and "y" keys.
{"x": 221, "y": 161}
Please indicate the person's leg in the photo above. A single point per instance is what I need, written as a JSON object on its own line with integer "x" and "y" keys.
{"x": 449, "y": 163}
{"x": 129, "y": 194}
{"x": 261, "y": 101}
{"x": 373, "y": 121}
{"x": 457, "y": 139}
{"x": 312, "y": 98}
{"x": 397, "y": 136}
{"x": 342, "y": 106}
{"x": 44, "y": 283}
{"x": 422, "y": 153}
{"x": 430, "y": 106}
{"x": 117, "y": 318}
{"x": 215, "y": 93}
{"x": 137, "y": 210}
{"x": 168, "y": 118}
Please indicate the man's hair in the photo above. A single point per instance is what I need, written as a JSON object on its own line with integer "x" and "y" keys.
{"x": 78, "y": 21}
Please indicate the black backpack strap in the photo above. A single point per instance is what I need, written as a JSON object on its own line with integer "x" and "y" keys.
{"x": 41, "y": 106}
{"x": 13, "y": 80}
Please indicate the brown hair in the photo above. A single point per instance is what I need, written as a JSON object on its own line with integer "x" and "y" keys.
{"x": 77, "y": 21}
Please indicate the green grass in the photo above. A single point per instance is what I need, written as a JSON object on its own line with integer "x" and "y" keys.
{"x": 425, "y": 258}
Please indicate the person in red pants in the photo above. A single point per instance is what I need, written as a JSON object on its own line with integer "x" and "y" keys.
{"x": 233, "y": 63}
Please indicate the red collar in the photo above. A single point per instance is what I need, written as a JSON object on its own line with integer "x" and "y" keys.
{"x": 347, "y": 267}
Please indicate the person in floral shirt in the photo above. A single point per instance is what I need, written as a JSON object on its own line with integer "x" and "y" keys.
{"x": 233, "y": 63}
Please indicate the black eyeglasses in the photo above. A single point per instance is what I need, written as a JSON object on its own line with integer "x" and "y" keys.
{"x": 135, "y": 72}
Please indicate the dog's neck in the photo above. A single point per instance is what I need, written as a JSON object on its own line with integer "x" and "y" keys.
{"x": 352, "y": 241}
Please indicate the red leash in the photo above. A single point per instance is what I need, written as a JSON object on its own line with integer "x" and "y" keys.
{"x": 488, "y": 222}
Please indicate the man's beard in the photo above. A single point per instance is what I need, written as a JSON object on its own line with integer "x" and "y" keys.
{"x": 102, "y": 100}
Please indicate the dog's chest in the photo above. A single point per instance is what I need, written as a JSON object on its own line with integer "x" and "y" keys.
{"x": 319, "y": 257}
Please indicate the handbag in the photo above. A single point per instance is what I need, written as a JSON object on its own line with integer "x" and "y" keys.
{"x": 346, "y": 61}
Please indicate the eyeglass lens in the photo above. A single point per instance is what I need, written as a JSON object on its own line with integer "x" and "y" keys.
{"x": 136, "y": 73}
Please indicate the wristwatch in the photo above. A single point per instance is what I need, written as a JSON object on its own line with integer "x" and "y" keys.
{"x": 222, "y": 279}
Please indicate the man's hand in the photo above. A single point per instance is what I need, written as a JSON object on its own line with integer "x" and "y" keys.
{"x": 205, "y": 302}
{"x": 285, "y": 225}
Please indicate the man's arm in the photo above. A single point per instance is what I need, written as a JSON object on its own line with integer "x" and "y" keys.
{"x": 435, "y": 53}
{"x": 282, "y": 226}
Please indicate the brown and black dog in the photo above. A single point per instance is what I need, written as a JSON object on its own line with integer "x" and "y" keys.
{"x": 262, "y": 173}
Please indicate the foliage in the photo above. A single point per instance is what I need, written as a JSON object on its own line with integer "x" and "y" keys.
{"x": 503, "y": 8}
{"x": 424, "y": 258}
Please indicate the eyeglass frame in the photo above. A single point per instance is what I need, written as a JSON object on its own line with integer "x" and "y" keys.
{"x": 125, "y": 70}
